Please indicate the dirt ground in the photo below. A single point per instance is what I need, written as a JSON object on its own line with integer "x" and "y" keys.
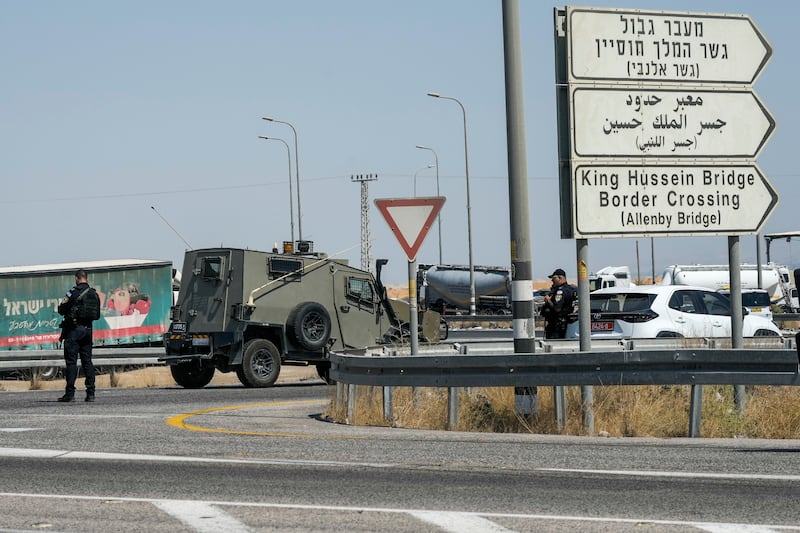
{"x": 156, "y": 376}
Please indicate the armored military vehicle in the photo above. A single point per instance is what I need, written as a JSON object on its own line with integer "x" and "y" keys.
{"x": 250, "y": 312}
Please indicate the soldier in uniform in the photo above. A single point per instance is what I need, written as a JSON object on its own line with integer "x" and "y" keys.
{"x": 77, "y": 337}
{"x": 558, "y": 305}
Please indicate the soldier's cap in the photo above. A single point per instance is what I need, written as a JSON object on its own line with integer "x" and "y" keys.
{"x": 558, "y": 272}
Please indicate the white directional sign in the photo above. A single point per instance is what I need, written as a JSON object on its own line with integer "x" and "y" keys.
{"x": 678, "y": 200}
{"x": 616, "y": 44}
{"x": 674, "y": 123}
{"x": 659, "y": 123}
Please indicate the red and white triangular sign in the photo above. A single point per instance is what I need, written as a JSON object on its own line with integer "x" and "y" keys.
{"x": 410, "y": 219}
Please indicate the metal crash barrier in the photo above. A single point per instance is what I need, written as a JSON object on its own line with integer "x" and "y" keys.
{"x": 762, "y": 361}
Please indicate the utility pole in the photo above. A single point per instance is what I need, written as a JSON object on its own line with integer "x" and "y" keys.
{"x": 366, "y": 241}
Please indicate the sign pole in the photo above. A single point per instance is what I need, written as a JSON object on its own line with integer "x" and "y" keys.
{"x": 412, "y": 306}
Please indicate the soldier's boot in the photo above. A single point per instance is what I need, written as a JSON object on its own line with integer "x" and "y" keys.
{"x": 68, "y": 397}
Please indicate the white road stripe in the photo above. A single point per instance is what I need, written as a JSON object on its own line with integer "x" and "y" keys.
{"x": 202, "y": 517}
{"x": 581, "y": 520}
{"x": 458, "y": 522}
{"x": 18, "y": 430}
{"x": 735, "y": 528}
{"x": 67, "y": 454}
{"x": 658, "y": 473}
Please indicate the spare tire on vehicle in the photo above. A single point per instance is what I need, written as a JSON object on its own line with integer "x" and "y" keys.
{"x": 309, "y": 325}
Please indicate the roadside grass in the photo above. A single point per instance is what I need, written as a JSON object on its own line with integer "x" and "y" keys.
{"x": 620, "y": 411}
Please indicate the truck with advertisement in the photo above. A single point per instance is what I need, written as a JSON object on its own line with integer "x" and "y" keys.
{"x": 775, "y": 279}
{"x": 250, "y": 312}
{"x": 135, "y": 298}
{"x": 446, "y": 289}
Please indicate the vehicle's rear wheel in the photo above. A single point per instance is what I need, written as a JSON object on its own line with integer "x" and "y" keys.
{"x": 261, "y": 364}
{"x": 309, "y": 325}
{"x": 192, "y": 375}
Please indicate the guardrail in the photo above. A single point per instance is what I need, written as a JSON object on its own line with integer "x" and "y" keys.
{"x": 762, "y": 361}
{"x": 14, "y": 359}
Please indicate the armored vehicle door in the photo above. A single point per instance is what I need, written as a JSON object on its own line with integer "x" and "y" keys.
{"x": 359, "y": 314}
{"x": 205, "y": 299}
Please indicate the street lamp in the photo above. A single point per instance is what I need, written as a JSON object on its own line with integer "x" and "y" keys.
{"x": 469, "y": 207}
{"x": 415, "y": 177}
{"x": 296, "y": 174}
{"x": 291, "y": 198}
{"x": 439, "y": 216}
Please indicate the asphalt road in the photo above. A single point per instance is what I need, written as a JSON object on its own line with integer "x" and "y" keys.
{"x": 236, "y": 459}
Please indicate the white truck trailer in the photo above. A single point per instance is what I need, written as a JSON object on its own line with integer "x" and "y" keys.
{"x": 776, "y": 279}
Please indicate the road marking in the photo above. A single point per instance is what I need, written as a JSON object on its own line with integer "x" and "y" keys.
{"x": 458, "y": 522}
{"x": 179, "y": 421}
{"x": 691, "y": 475}
{"x": 19, "y": 430}
{"x": 67, "y": 454}
{"x": 201, "y": 517}
{"x": 707, "y": 526}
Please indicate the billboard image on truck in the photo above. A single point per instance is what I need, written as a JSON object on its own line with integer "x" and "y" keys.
{"x": 135, "y": 297}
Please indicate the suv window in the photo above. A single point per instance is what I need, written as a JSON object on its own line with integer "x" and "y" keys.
{"x": 715, "y": 304}
{"x": 684, "y": 302}
{"x": 624, "y": 302}
{"x": 755, "y": 299}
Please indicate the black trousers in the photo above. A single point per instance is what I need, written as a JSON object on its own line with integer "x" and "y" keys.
{"x": 555, "y": 329}
{"x": 78, "y": 344}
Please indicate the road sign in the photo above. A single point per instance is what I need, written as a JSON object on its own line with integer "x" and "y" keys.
{"x": 410, "y": 219}
{"x": 675, "y": 200}
{"x": 617, "y": 44}
{"x": 674, "y": 123}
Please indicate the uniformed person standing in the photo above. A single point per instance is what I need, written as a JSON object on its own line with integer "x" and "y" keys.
{"x": 558, "y": 305}
{"x": 77, "y": 337}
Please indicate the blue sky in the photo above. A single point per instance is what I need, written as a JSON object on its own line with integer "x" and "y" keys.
{"x": 111, "y": 108}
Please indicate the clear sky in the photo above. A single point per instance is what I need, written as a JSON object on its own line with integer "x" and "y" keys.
{"x": 110, "y": 108}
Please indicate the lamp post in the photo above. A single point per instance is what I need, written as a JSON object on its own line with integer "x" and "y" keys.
{"x": 469, "y": 207}
{"x": 291, "y": 197}
{"x": 296, "y": 174}
{"x": 415, "y": 177}
{"x": 439, "y": 216}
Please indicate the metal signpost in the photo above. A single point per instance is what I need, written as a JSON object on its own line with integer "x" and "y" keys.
{"x": 659, "y": 130}
{"x": 410, "y": 219}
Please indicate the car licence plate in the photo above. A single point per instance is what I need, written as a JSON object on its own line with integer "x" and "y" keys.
{"x": 603, "y": 326}
{"x": 179, "y": 327}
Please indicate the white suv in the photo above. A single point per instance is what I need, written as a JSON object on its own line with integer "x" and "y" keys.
{"x": 757, "y": 301}
{"x": 651, "y": 311}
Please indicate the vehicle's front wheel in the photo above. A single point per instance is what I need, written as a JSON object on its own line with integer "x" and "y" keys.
{"x": 261, "y": 364}
{"x": 192, "y": 375}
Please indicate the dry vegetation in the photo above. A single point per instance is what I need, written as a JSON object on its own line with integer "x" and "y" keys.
{"x": 629, "y": 411}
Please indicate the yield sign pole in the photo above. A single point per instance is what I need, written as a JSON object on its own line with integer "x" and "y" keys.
{"x": 410, "y": 219}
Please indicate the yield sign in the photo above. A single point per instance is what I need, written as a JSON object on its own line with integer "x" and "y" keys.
{"x": 410, "y": 219}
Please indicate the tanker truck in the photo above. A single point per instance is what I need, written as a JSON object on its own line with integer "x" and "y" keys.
{"x": 446, "y": 289}
{"x": 775, "y": 279}
{"x": 135, "y": 296}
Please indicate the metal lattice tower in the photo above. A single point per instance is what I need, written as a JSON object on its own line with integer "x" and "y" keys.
{"x": 366, "y": 241}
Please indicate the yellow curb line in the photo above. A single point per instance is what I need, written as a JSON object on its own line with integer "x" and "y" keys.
{"x": 179, "y": 421}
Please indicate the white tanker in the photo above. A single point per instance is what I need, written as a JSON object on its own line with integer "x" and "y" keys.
{"x": 776, "y": 279}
